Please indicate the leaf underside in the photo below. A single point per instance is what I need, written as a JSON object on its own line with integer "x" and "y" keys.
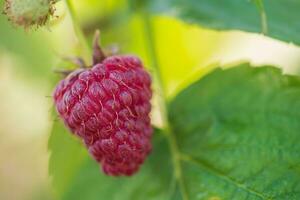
{"x": 236, "y": 134}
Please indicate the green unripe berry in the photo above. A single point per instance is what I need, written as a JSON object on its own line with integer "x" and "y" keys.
{"x": 29, "y": 13}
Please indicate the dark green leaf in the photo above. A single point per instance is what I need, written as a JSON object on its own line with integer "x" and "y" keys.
{"x": 238, "y": 132}
{"x": 282, "y": 16}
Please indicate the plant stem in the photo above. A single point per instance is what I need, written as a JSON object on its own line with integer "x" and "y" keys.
{"x": 150, "y": 39}
{"x": 78, "y": 31}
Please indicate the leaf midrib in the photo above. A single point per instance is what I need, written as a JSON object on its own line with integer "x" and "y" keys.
{"x": 204, "y": 165}
{"x": 178, "y": 157}
{"x": 175, "y": 154}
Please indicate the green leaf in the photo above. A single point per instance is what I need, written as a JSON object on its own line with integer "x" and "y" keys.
{"x": 233, "y": 135}
{"x": 238, "y": 132}
{"x": 67, "y": 156}
{"x": 280, "y": 17}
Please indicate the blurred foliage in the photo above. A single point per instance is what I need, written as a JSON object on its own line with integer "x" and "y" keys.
{"x": 68, "y": 159}
{"x": 27, "y": 60}
{"x": 27, "y": 48}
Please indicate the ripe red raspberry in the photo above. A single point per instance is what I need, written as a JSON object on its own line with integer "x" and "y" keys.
{"x": 108, "y": 107}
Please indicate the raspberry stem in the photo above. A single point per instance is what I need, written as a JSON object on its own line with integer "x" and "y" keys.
{"x": 78, "y": 31}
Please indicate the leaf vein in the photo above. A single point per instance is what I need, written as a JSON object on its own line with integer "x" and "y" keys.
{"x": 204, "y": 165}
{"x": 176, "y": 161}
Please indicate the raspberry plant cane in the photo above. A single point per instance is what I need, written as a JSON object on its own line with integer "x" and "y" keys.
{"x": 107, "y": 106}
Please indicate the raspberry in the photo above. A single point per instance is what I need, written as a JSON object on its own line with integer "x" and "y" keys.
{"x": 108, "y": 107}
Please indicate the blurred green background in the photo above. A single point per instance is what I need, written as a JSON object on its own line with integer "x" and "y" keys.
{"x": 185, "y": 52}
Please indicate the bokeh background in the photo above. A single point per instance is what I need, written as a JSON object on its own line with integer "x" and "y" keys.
{"x": 28, "y": 58}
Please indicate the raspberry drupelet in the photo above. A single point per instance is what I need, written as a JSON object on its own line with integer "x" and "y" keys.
{"x": 108, "y": 107}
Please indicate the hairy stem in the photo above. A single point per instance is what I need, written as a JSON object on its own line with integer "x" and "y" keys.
{"x": 78, "y": 31}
